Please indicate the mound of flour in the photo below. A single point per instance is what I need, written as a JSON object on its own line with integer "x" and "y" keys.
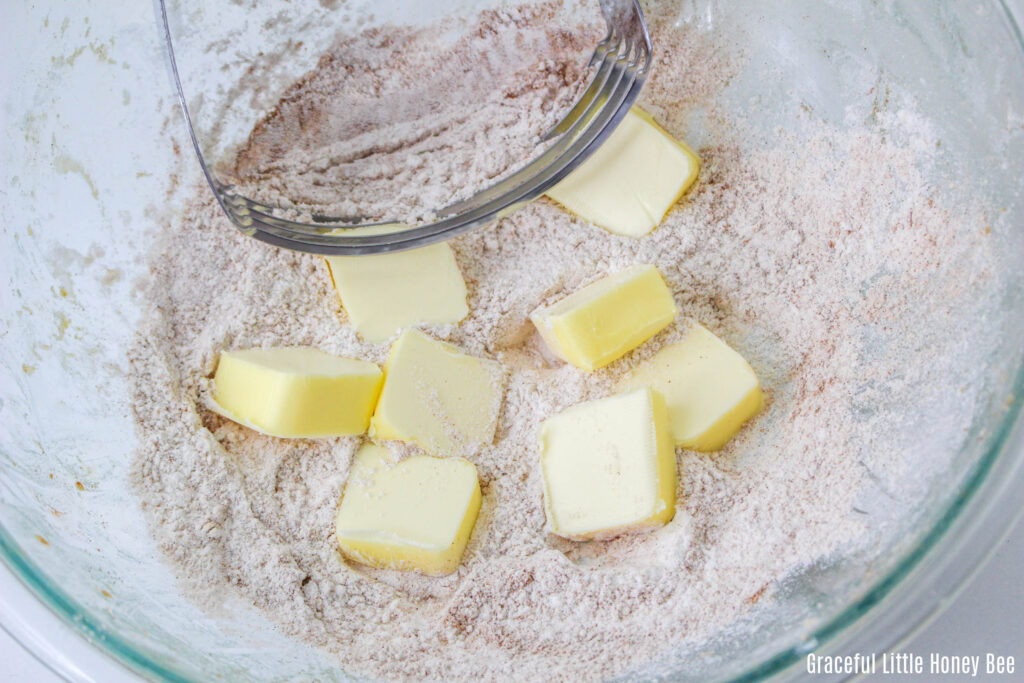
{"x": 826, "y": 258}
{"x": 396, "y": 123}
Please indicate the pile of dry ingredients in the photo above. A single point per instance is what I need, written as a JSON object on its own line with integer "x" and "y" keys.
{"x": 395, "y": 123}
{"x": 826, "y": 260}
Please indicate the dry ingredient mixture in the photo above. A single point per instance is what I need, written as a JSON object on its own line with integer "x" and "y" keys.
{"x": 394, "y": 123}
{"x": 826, "y": 259}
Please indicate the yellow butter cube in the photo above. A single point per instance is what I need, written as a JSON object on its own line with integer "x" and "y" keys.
{"x": 384, "y": 293}
{"x": 438, "y": 397}
{"x": 710, "y": 389}
{"x": 414, "y": 514}
{"x": 296, "y": 392}
{"x": 607, "y": 319}
{"x": 609, "y": 467}
{"x": 629, "y": 184}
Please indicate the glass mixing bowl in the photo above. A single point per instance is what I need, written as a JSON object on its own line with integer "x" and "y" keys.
{"x": 93, "y": 142}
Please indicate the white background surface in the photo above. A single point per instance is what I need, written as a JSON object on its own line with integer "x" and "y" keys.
{"x": 18, "y": 665}
{"x": 987, "y": 617}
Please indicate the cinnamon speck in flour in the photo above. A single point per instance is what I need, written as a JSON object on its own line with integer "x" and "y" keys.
{"x": 826, "y": 258}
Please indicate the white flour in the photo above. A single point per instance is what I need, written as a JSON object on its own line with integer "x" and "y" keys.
{"x": 827, "y": 260}
{"x": 392, "y": 124}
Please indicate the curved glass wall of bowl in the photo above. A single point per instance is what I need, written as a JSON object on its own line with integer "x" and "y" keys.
{"x": 620, "y": 61}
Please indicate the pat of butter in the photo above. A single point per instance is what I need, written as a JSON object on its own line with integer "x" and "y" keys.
{"x": 414, "y": 514}
{"x": 710, "y": 389}
{"x": 383, "y": 293}
{"x": 632, "y": 180}
{"x": 609, "y": 467}
{"x": 438, "y": 397}
{"x": 296, "y": 392}
{"x": 607, "y": 319}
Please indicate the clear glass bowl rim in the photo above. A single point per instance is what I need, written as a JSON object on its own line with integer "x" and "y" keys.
{"x": 945, "y": 546}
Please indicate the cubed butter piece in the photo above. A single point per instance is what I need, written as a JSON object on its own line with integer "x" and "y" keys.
{"x": 607, "y": 319}
{"x": 710, "y": 390}
{"x": 296, "y": 392}
{"x": 438, "y": 397}
{"x": 384, "y": 293}
{"x": 414, "y": 514}
{"x": 632, "y": 180}
{"x": 609, "y": 467}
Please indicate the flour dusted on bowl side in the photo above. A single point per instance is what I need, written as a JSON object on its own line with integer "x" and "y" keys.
{"x": 826, "y": 259}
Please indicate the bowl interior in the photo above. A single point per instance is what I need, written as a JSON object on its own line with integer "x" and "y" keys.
{"x": 99, "y": 140}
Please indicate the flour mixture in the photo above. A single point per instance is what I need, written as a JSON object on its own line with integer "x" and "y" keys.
{"x": 804, "y": 252}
